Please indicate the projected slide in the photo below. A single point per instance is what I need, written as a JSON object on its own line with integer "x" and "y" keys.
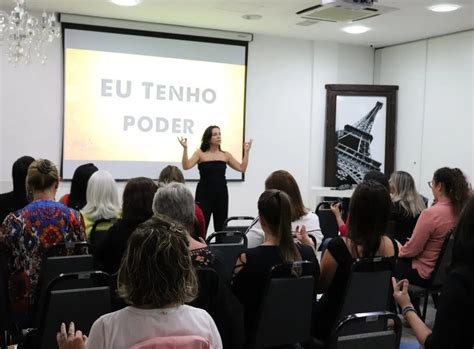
{"x": 127, "y": 99}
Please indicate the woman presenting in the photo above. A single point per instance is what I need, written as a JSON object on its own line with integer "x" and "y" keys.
{"x": 211, "y": 191}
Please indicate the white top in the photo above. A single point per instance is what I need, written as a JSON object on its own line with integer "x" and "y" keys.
{"x": 129, "y": 326}
{"x": 255, "y": 234}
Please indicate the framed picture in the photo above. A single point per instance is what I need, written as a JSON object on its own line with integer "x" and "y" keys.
{"x": 360, "y": 132}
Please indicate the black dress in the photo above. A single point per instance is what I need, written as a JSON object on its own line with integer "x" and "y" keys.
{"x": 404, "y": 223}
{"x": 327, "y": 309}
{"x": 249, "y": 283}
{"x": 211, "y": 192}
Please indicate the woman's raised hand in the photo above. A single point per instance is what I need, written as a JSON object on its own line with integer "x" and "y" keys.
{"x": 248, "y": 145}
{"x": 183, "y": 141}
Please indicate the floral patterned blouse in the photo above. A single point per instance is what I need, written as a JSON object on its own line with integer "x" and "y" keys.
{"x": 25, "y": 235}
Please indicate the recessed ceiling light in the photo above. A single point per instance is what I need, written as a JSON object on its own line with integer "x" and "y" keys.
{"x": 356, "y": 29}
{"x": 126, "y": 2}
{"x": 444, "y": 7}
{"x": 252, "y": 17}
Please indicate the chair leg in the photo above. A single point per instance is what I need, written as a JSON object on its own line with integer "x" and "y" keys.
{"x": 425, "y": 307}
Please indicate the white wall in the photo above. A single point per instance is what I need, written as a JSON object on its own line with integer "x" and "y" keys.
{"x": 435, "y": 108}
{"x": 285, "y": 111}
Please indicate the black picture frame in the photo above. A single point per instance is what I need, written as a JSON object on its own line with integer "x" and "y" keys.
{"x": 351, "y": 141}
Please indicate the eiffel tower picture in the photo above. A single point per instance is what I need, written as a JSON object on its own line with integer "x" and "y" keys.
{"x": 353, "y": 149}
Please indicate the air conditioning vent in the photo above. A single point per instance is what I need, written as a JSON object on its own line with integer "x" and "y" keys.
{"x": 342, "y": 11}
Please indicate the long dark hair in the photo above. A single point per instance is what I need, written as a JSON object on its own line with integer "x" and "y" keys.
{"x": 283, "y": 180}
{"x": 455, "y": 186}
{"x": 137, "y": 199}
{"x": 369, "y": 211}
{"x": 275, "y": 207}
{"x": 206, "y": 138}
{"x": 80, "y": 178}
{"x": 463, "y": 247}
{"x": 19, "y": 172}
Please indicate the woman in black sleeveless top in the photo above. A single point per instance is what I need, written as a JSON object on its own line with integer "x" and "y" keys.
{"x": 211, "y": 191}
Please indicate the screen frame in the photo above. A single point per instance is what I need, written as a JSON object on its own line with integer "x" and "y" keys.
{"x": 156, "y": 34}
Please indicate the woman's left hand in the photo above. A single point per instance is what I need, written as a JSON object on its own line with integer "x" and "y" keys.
{"x": 248, "y": 145}
{"x": 400, "y": 292}
{"x": 303, "y": 237}
{"x": 72, "y": 339}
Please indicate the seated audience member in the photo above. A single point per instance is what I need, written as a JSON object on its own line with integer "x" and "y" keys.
{"x": 29, "y": 232}
{"x": 16, "y": 199}
{"x": 102, "y": 201}
{"x": 453, "y": 326}
{"x": 156, "y": 278}
{"x": 176, "y": 201}
{"x": 173, "y": 174}
{"x": 376, "y": 176}
{"x": 418, "y": 256}
{"x": 300, "y": 216}
{"x": 76, "y": 199}
{"x": 369, "y": 210}
{"x": 407, "y": 205}
{"x": 136, "y": 208}
{"x": 254, "y": 265}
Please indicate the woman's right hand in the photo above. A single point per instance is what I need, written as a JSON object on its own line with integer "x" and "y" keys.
{"x": 335, "y": 208}
{"x": 183, "y": 141}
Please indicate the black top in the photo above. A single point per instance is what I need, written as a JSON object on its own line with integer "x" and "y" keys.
{"x": 110, "y": 251}
{"x": 11, "y": 202}
{"x": 212, "y": 171}
{"x": 454, "y": 322}
{"x": 249, "y": 283}
{"x": 330, "y": 303}
{"x": 202, "y": 257}
{"x": 404, "y": 223}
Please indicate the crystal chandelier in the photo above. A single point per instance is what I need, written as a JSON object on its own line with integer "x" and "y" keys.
{"x": 24, "y": 34}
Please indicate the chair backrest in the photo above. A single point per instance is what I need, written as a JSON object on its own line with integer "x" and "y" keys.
{"x": 227, "y": 237}
{"x": 97, "y": 235}
{"x": 369, "y": 287}
{"x": 79, "y": 297}
{"x": 388, "y": 337}
{"x": 327, "y": 221}
{"x": 444, "y": 259}
{"x": 68, "y": 248}
{"x": 4, "y": 318}
{"x": 227, "y": 255}
{"x": 174, "y": 342}
{"x": 237, "y": 223}
{"x": 284, "y": 316}
{"x": 51, "y": 268}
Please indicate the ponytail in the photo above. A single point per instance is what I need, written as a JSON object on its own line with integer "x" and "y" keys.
{"x": 455, "y": 186}
{"x": 274, "y": 205}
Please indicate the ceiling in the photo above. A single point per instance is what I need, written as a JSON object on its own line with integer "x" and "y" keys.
{"x": 412, "y": 20}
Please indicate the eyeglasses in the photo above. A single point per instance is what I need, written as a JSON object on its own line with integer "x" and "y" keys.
{"x": 430, "y": 184}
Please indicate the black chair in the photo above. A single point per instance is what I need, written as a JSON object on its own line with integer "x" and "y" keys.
{"x": 369, "y": 288}
{"x": 79, "y": 297}
{"x": 51, "y": 268}
{"x": 4, "y": 314}
{"x": 239, "y": 223}
{"x": 438, "y": 275}
{"x": 284, "y": 317}
{"x": 97, "y": 235}
{"x": 227, "y": 253}
{"x": 68, "y": 248}
{"x": 388, "y": 337}
{"x": 327, "y": 220}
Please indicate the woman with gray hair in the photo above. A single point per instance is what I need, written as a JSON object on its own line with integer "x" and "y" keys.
{"x": 176, "y": 201}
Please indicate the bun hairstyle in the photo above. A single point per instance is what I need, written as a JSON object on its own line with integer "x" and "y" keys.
{"x": 455, "y": 186}
{"x": 275, "y": 207}
{"x": 42, "y": 174}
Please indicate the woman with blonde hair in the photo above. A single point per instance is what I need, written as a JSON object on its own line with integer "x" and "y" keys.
{"x": 29, "y": 232}
{"x": 102, "y": 201}
{"x": 300, "y": 215}
{"x": 407, "y": 205}
{"x": 155, "y": 278}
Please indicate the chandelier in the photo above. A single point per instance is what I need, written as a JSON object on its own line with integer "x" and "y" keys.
{"x": 24, "y": 34}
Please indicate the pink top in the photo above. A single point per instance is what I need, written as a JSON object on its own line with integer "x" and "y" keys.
{"x": 428, "y": 237}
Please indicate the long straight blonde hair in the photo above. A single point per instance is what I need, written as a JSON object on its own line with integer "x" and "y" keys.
{"x": 404, "y": 192}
